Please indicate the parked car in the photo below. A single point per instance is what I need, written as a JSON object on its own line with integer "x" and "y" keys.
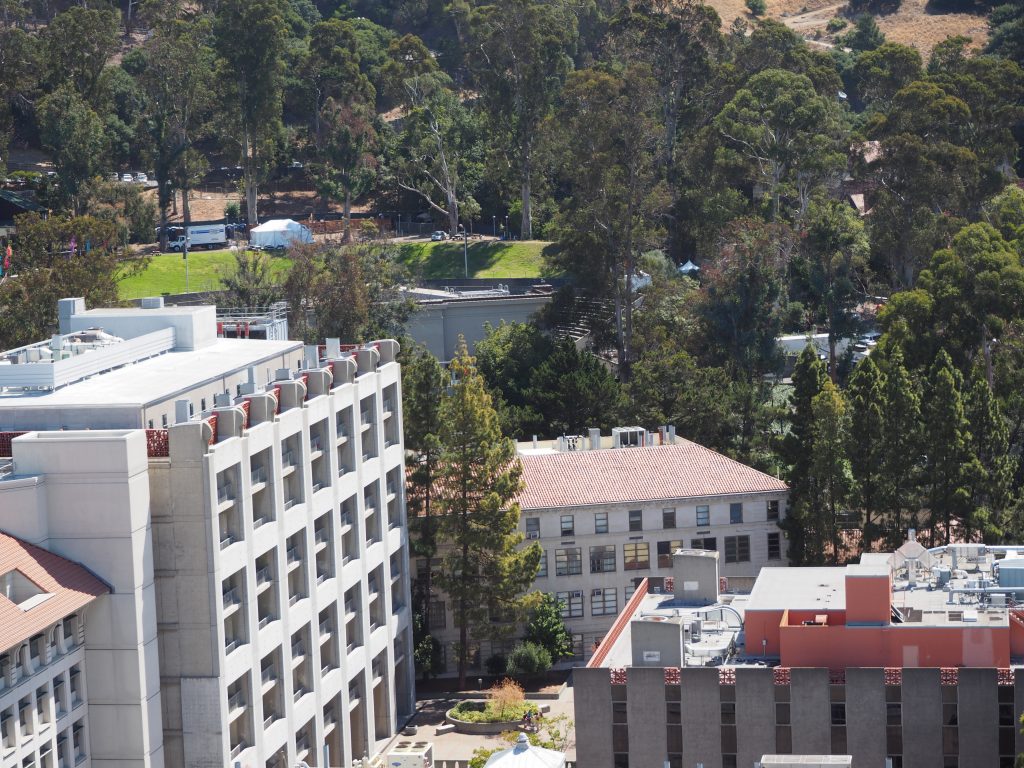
{"x": 115, "y": 176}
{"x": 141, "y": 178}
{"x": 127, "y": 178}
{"x": 438, "y": 236}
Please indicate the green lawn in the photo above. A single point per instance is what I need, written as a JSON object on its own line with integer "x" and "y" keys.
{"x": 489, "y": 259}
{"x": 438, "y": 261}
{"x": 166, "y": 273}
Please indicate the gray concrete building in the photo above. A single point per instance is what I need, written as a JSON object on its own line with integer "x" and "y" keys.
{"x": 637, "y": 705}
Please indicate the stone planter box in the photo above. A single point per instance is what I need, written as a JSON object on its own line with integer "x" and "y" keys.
{"x": 481, "y": 729}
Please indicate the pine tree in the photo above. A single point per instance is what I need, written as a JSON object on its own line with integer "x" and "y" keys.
{"x": 865, "y": 443}
{"x": 830, "y": 480}
{"x": 809, "y": 378}
{"x": 990, "y": 446}
{"x": 949, "y": 464}
{"x": 901, "y": 446}
{"x": 423, "y": 383}
{"x": 478, "y": 478}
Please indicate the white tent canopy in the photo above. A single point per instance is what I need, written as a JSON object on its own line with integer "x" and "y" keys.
{"x": 279, "y": 233}
{"x": 525, "y": 755}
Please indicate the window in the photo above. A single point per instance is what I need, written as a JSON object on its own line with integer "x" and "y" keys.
{"x": 636, "y": 557}
{"x": 773, "y": 510}
{"x": 708, "y": 543}
{"x": 703, "y": 516}
{"x": 542, "y": 572}
{"x": 600, "y": 522}
{"x": 636, "y": 520}
{"x": 737, "y": 549}
{"x": 602, "y": 559}
{"x": 438, "y": 618}
{"x": 568, "y": 562}
{"x": 838, "y": 713}
{"x": 665, "y": 550}
{"x": 163, "y": 421}
{"x": 604, "y": 602}
{"x": 728, "y": 713}
{"x": 628, "y": 593}
{"x": 774, "y": 546}
{"x": 578, "y": 644}
{"x": 668, "y": 517}
{"x": 533, "y": 528}
{"x": 568, "y": 526}
{"x": 572, "y": 604}
{"x": 735, "y": 514}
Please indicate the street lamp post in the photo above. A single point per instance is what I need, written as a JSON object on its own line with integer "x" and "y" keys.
{"x": 465, "y": 247}
{"x": 184, "y": 255}
{"x": 494, "y": 226}
{"x": 508, "y": 234}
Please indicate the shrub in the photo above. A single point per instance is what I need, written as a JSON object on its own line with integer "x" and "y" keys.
{"x": 495, "y": 664}
{"x": 757, "y": 7}
{"x": 528, "y": 660}
{"x": 835, "y": 24}
{"x": 480, "y": 712}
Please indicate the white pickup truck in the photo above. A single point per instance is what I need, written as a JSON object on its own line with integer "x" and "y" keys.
{"x": 202, "y": 236}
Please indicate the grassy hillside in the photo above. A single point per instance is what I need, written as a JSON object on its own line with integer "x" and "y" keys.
{"x": 438, "y": 261}
{"x": 490, "y": 259}
{"x": 166, "y": 273}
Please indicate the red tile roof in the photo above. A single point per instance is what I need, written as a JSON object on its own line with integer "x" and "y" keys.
{"x": 72, "y": 587}
{"x": 608, "y": 476}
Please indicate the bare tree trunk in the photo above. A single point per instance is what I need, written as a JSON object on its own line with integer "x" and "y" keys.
{"x": 347, "y": 236}
{"x": 162, "y": 195}
{"x": 249, "y": 160}
{"x": 526, "y": 225}
{"x": 186, "y": 209}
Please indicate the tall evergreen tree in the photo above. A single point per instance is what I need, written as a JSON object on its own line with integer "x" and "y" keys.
{"x": 809, "y": 378}
{"x": 479, "y": 476}
{"x": 990, "y": 446}
{"x": 901, "y": 445}
{"x": 865, "y": 444}
{"x": 949, "y": 463}
{"x": 830, "y": 480}
{"x": 423, "y": 386}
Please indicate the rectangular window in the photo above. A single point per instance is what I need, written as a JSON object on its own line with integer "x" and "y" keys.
{"x": 628, "y": 593}
{"x": 708, "y": 543}
{"x": 728, "y": 713}
{"x": 577, "y": 647}
{"x": 533, "y": 528}
{"x": 774, "y": 546}
{"x": 602, "y": 559}
{"x": 703, "y": 516}
{"x": 600, "y": 522}
{"x": 571, "y": 603}
{"x": 735, "y": 514}
{"x": 604, "y": 602}
{"x": 437, "y": 614}
{"x": 568, "y": 526}
{"x": 668, "y": 518}
{"x": 542, "y": 572}
{"x": 737, "y": 549}
{"x": 838, "y": 713}
{"x": 636, "y": 557}
{"x": 773, "y": 510}
{"x": 568, "y": 562}
{"x": 665, "y": 551}
{"x": 636, "y": 520}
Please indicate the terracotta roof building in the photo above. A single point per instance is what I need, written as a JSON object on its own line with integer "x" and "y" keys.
{"x": 43, "y": 707}
{"x": 609, "y": 511}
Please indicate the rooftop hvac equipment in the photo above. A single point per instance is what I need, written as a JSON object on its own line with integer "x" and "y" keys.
{"x": 412, "y": 754}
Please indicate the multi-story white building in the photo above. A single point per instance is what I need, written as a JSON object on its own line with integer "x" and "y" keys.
{"x": 43, "y": 602}
{"x": 244, "y": 500}
{"x": 610, "y": 511}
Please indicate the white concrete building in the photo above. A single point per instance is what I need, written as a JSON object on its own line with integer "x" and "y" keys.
{"x": 609, "y": 511}
{"x": 244, "y": 500}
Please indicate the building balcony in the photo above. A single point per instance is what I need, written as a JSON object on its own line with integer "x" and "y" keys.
{"x": 258, "y": 476}
{"x": 236, "y": 706}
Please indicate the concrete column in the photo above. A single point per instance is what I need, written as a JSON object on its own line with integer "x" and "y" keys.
{"x": 647, "y": 716}
{"x": 755, "y": 714}
{"x": 922, "y": 718}
{"x": 702, "y": 716}
{"x": 978, "y": 713}
{"x": 865, "y": 716}
{"x": 593, "y": 709}
{"x": 811, "y": 711}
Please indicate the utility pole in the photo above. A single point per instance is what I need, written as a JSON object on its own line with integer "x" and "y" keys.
{"x": 184, "y": 255}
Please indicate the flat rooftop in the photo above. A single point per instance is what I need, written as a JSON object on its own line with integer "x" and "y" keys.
{"x": 156, "y": 379}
